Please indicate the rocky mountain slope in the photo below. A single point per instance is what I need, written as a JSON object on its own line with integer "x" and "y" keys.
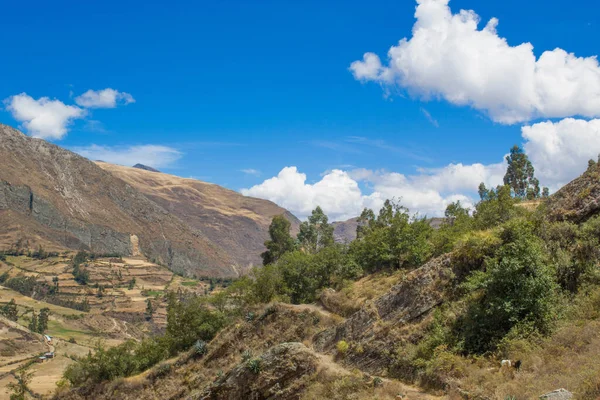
{"x": 579, "y": 199}
{"x": 233, "y": 222}
{"x": 52, "y": 197}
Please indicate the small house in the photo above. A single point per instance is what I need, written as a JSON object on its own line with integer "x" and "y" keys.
{"x": 49, "y": 355}
{"x": 48, "y": 338}
{"x": 41, "y": 359}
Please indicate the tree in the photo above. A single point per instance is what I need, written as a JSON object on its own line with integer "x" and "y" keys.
{"x": 20, "y": 388}
{"x": 545, "y": 192}
{"x": 33, "y": 323}
{"x": 281, "y": 241}
{"x": 42, "y": 323}
{"x": 149, "y": 309}
{"x": 392, "y": 239}
{"x": 516, "y": 292}
{"x": 131, "y": 284}
{"x": 498, "y": 206}
{"x": 520, "y": 175}
{"x": 10, "y": 310}
{"x": 55, "y": 281}
{"x": 316, "y": 233}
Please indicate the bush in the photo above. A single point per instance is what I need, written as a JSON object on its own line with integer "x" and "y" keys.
{"x": 516, "y": 291}
{"x": 200, "y": 348}
{"x": 342, "y": 347}
{"x": 255, "y": 366}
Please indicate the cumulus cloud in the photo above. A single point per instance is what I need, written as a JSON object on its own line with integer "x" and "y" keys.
{"x": 339, "y": 194}
{"x": 152, "y": 155}
{"x": 559, "y": 150}
{"x": 106, "y": 98}
{"x": 449, "y": 57}
{"x": 43, "y": 118}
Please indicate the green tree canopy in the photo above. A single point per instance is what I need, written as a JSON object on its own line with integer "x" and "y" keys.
{"x": 281, "y": 241}
{"x": 316, "y": 233}
{"x": 520, "y": 175}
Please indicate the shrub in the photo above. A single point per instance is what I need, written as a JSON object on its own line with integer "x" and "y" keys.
{"x": 516, "y": 291}
{"x": 255, "y": 366}
{"x": 377, "y": 382}
{"x": 342, "y": 347}
{"x": 200, "y": 348}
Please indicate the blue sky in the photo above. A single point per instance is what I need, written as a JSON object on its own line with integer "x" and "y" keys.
{"x": 258, "y": 86}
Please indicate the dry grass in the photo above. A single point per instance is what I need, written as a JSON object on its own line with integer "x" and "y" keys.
{"x": 350, "y": 299}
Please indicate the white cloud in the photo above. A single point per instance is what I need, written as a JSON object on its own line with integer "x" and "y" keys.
{"x": 559, "y": 150}
{"x": 43, "y": 118}
{"x": 251, "y": 171}
{"x": 151, "y": 155}
{"x": 106, "y": 98}
{"x": 337, "y": 193}
{"x": 449, "y": 57}
{"x": 340, "y": 196}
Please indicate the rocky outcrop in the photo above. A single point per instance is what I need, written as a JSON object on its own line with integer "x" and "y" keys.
{"x": 277, "y": 374}
{"x": 559, "y": 394}
{"x": 369, "y": 328}
{"x": 578, "y": 200}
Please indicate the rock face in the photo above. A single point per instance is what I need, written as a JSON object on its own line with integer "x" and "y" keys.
{"x": 280, "y": 376}
{"x": 419, "y": 292}
{"x": 53, "y": 197}
{"x": 560, "y": 394}
{"x": 578, "y": 200}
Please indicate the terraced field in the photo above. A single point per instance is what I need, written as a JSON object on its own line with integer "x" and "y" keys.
{"x": 117, "y": 292}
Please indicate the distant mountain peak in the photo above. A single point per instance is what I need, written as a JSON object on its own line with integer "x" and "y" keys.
{"x": 145, "y": 167}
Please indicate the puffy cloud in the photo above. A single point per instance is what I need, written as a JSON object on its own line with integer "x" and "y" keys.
{"x": 559, "y": 150}
{"x": 43, "y": 118}
{"x": 339, "y": 194}
{"x": 106, "y": 98}
{"x": 152, "y": 155}
{"x": 448, "y": 56}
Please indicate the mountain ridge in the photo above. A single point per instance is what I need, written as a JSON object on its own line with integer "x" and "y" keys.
{"x": 54, "y": 197}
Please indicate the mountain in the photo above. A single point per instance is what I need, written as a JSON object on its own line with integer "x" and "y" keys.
{"x": 52, "y": 197}
{"x": 232, "y": 221}
{"x": 145, "y": 167}
{"x": 345, "y": 231}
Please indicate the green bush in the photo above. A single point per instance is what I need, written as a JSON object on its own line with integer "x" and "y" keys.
{"x": 255, "y": 365}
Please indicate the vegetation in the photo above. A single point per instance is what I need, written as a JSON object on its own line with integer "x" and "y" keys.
{"x": 281, "y": 241}
{"x": 189, "y": 323}
{"x": 9, "y": 310}
{"x": 20, "y": 388}
{"x": 517, "y": 279}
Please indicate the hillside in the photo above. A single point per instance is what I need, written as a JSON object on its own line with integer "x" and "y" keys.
{"x": 52, "y": 197}
{"x": 231, "y": 221}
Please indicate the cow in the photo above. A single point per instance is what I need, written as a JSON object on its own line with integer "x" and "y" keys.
{"x": 505, "y": 364}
